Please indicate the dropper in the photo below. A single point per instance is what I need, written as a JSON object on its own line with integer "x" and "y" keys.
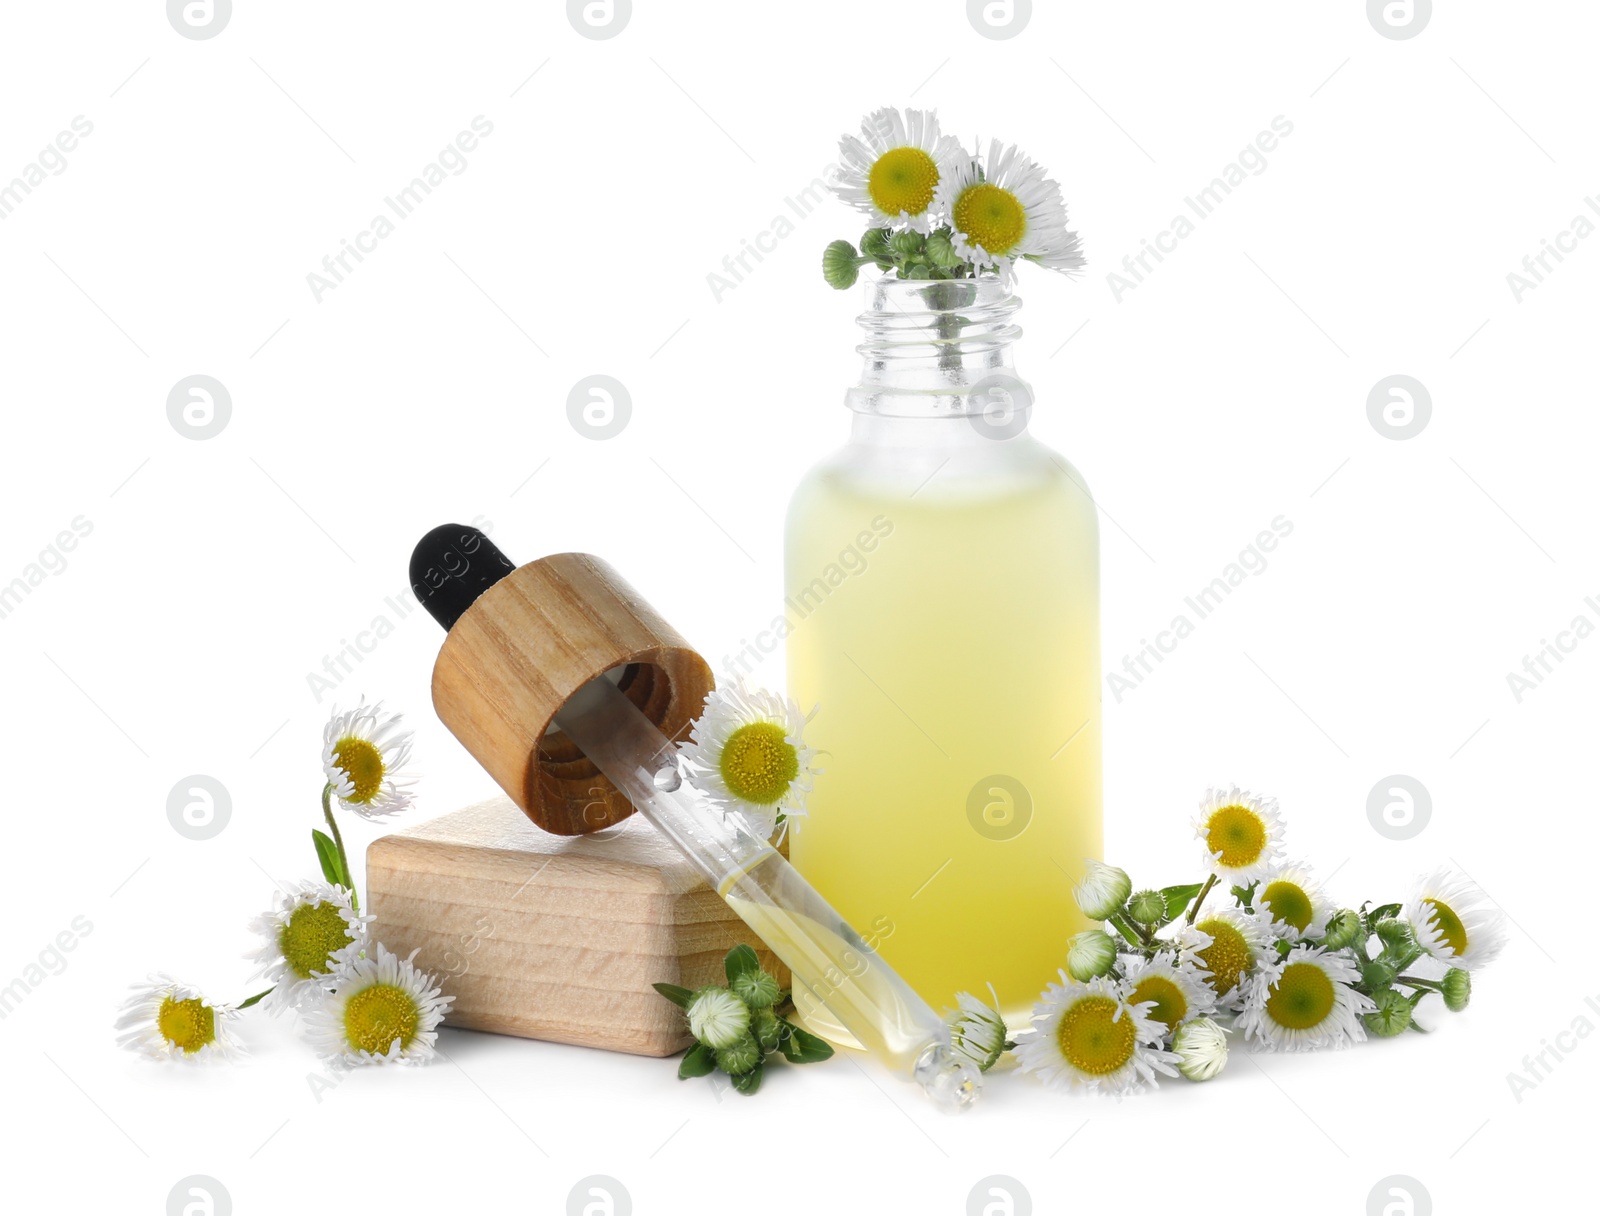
{"x": 544, "y": 672}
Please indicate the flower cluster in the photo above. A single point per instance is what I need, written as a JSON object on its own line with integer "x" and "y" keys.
{"x": 738, "y": 1026}
{"x": 940, "y": 212}
{"x": 1158, "y": 989}
{"x": 361, "y": 1003}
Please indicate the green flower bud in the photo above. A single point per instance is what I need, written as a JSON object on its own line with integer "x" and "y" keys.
{"x": 1376, "y": 974}
{"x": 1343, "y": 930}
{"x": 1090, "y": 955}
{"x": 905, "y": 244}
{"x": 875, "y": 244}
{"x": 756, "y": 989}
{"x": 941, "y": 252}
{"x": 977, "y": 1032}
{"x": 1392, "y": 1015}
{"x": 1103, "y": 890}
{"x": 1457, "y": 985}
{"x": 1148, "y": 908}
{"x": 741, "y": 1057}
{"x": 839, "y": 264}
{"x": 1202, "y": 1048}
{"x": 764, "y": 1025}
{"x": 718, "y": 1018}
{"x": 1395, "y": 935}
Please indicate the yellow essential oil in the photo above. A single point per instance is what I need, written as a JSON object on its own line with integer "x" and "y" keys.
{"x": 948, "y": 630}
{"x": 833, "y": 963}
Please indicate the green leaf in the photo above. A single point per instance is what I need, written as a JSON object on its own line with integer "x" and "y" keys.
{"x": 1382, "y": 912}
{"x": 249, "y": 1001}
{"x": 740, "y": 960}
{"x": 1179, "y": 898}
{"x": 799, "y": 1047}
{"x": 698, "y": 1061}
{"x": 748, "y": 1082}
{"x": 328, "y": 856}
{"x": 1245, "y": 894}
{"x": 678, "y": 996}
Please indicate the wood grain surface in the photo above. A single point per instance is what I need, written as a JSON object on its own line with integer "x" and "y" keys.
{"x": 554, "y": 937}
{"x": 531, "y": 641}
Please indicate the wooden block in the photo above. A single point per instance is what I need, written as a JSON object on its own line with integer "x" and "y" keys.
{"x": 554, "y": 937}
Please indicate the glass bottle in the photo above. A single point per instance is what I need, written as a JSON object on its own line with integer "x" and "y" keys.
{"x": 942, "y": 584}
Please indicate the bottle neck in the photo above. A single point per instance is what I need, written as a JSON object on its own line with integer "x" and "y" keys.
{"x": 936, "y": 363}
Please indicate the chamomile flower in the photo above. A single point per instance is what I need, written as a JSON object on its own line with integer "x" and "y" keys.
{"x": 310, "y": 930}
{"x": 1091, "y": 954}
{"x": 364, "y": 754}
{"x": 1005, "y": 208}
{"x": 1241, "y": 834}
{"x": 1102, "y": 891}
{"x": 1454, "y": 921}
{"x": 1175, "y": 993}
{"x": 382, "y": 1010}
{"x": 977, "y": 1031}
{"x": 748, "y": 756}
{"x": 1224, "y": 946}
{"x": 166, "y": 1020}
{"x": 1089, "y": 1036}
{"x": 718, "y": 1018}
{"x": 1202, "y": 1049}
{"x": 1345, "y": 928}
{"x": 1305, "y": 1001}
{"x": 1392, "y": 1014}
{"x": 895, "y": 169}
{"x": 1292, "y": 904}
{"x": 1456, "y": 989}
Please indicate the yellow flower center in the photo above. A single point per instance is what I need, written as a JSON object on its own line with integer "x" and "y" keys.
{"x": 1238, "y": 833}
{"x": 1091, "y": 1041}
{"x": 758, "y": 763}
{"x": 1228, "y": 956}
{"x": 188, "y": 1025}
{"x": 1171, "y": 1006}
{"x": 1288, "y": 903}
{"x": 1302, "y": 997}
{"x": 1449, "y": 927}
{"x": 378, "y": 1017}
{"x": 310, "y": 938}
{"x": 990, "y": 217}
{"x": 903, "y": 179}
{"x": 362, "y": 762}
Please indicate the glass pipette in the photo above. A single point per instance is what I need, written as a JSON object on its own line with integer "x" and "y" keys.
{"x": 824, "y": 954}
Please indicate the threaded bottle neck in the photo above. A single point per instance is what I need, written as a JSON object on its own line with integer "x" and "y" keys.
{"x": 930, "y": 343}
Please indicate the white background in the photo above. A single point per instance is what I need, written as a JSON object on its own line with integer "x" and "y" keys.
{"x": 1228, "y": 388}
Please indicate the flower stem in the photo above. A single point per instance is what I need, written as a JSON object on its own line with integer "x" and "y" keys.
{"x": 251, "y": 1000}
{"x": 1194, "y": 908}
{"x": 1416, "y": 981}
{"x": 1406, "y": 959}
{"x": 1121, "y": 925}
{"x": 338, "y": 843}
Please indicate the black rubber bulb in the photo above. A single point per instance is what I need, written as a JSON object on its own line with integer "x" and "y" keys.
{"x": 452, "y": 566}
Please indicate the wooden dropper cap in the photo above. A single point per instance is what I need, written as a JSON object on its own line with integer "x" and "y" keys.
{"x": 521, "y": 641}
